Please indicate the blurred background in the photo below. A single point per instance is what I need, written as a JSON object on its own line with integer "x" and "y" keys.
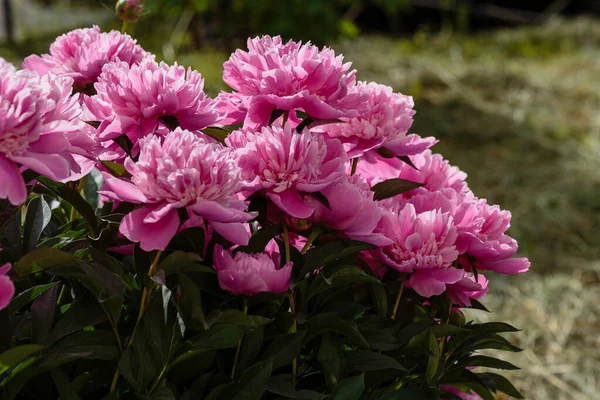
{"x": 512, "y": 89}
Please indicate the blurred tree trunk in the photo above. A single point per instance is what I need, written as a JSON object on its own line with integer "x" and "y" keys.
{"x": 9, "y": 26}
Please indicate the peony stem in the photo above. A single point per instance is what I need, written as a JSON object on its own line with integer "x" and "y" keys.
{"x": 294, "y": 330}
{"x": 354, "y": 166}
{"x": 285, "y": 118}
{"x": 80, "y": 187}
{"x": 124, "y": 27}
{"x": 286, "y": 241}
{"x": 398, "y": 298}
{"x": 239, "y": 345}
{"x": 313, "y": 236}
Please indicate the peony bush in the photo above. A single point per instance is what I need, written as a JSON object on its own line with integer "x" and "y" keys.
{"x": 290, "y": 239}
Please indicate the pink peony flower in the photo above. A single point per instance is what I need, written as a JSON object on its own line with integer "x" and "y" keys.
{"x": 249, "y": 274}
{"x": 36, "y": 121}
{"x": 179, "y": 170}
{"x": 423, "y": 245}
{"x": 81, "y": 54}
{"x": 457, "y": 392}
{"x": 435, "y": 172}
{"x": 385, "y": 125}
{"x": 7, "y": 287}
{"x": 138, "y": 100}
{"x": 353, "y": 212}
{"x": 287, "y": 165}
{"x": 489, "y": 247}
{"x": 292, "y": 76}
{"x": 462, "y": 291}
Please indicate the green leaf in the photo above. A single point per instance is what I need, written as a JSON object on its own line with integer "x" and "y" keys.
{"x": 275, "y": 114}
{"x": 393, "y": 187}
{"x": 503, "y": 385}
{"x": 252, "y": 384}
{"x": 37, "y": 218}
{"x": 282, "y": 385}
{"x": 444, "y": 330}
{"x": 43, "y": 310}
{"x": 27, "y": 296}
{"x": 258, "y": 241}
{"x": 330, "y": 252}
{"x": 489, "y": 362}
{"x": 75, "y": 199}
{"x": 363, "y": 360}
{"x": 236, "y": 317}
{"x": 41, "y": 259}
{"x": 433, "y": 361}
{"x": 189, "y": 302}
{"x": 492, "y": 327}
{"x": 178, "y": 261}
{"x": 125, "y": 143}
{"x": 170, "y": 121}
{"x": 331, "y": 323}
{"x": 408, "y": 161}
{"x": 331, "y": 358}
{"x": 14, "y": 356}
{"x": 117, "y": 170}
{"x": 349, "y": 389}
{"x": 63, "y": 386}
{"x": 81, "y": 314}
{"x": 219, "y": 134}
{"x": 344, "y": 277}
{"x": 219, "y": 336}
{"x": 285, "y": 348}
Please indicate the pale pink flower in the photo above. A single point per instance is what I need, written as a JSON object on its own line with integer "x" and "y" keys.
{"x": 34, "y": 130}
{"x": 292, "y": 76}
{"x": 141, "y": 98}
{"x": 81, "y": 54}
{"x": 462, "y": 291}
{"x": 7, "y": 287}
{"x": 385, "y": 125}
{"x": 352, "y": 212}
{"x": 179, "y": 170}
{"x": 423, "y": 245}
{"x": 249, "y": 274}
{"x": 287, "y": 165}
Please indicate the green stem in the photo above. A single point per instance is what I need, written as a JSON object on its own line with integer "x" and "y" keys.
{"x": 313, "y": 236}
{"x": 398, "y": 297}
{"x": 286, "y": 241}
{"x": 239, "y": 345}
{"x": 294, "y": 330}
{"x": 285, "y": 118}
{"x": 124, "y": 27}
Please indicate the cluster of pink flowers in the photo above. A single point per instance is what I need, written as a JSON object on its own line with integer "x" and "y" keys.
{"x": 317, "y": 173}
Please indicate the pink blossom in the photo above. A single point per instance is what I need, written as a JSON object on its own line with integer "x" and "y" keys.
{"x": 179, "y": 170}
{"x": 385, "y": 125}
{"x": 352, "y": 212}
{"x": 470, "y": 395}
{"x": 423, "y": 245}
{"x": 249, "y": 274}
{"x": 489, "y": 247}
{"x": 292, "y": 76}
{"x": 462, "y": 291}
{"x": 35, "y": 126}
{"x": 7, "y": 287}
{"x": 433, "y": 170}
{"x": 286, "y": 165}
{"x": 137, "y": 100}
{"x": 81, "y": 54}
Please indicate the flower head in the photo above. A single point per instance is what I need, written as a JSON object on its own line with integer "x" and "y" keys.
{"x": 140, "y": 99}
{"x": 179, "y": 170}
{"x": 7, "y": 287}
{"x": 385, "y": 124}
{"x": 423, "y": 245}
{"x": 287, "y": 164}
{"x": 462, "y": 291}
{"x": 457, "y": 393}
{"x": 352, "y": 212}
{"x": 292, "y": 76}
{"x": 81, "y": 54}
{"x": 249, "y": 274}
{"x": 36, "y": 120}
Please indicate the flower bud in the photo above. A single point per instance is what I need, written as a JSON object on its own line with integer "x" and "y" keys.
{"x": 129, "y": 10}
{"x": 457, "y": 318}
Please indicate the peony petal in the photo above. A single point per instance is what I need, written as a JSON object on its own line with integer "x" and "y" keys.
{"x": 291, "y": 203}
{"x": 151, "y": 236}
{"x": 7, "y": 291}
{"x": 121, "y": 190}
{"x": 12, "y": 187}
{"x": 235, "y": 232}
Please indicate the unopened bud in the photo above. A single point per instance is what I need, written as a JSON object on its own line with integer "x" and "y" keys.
{"x": 457, "y": 318}
{"x": 129, "y": 10}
